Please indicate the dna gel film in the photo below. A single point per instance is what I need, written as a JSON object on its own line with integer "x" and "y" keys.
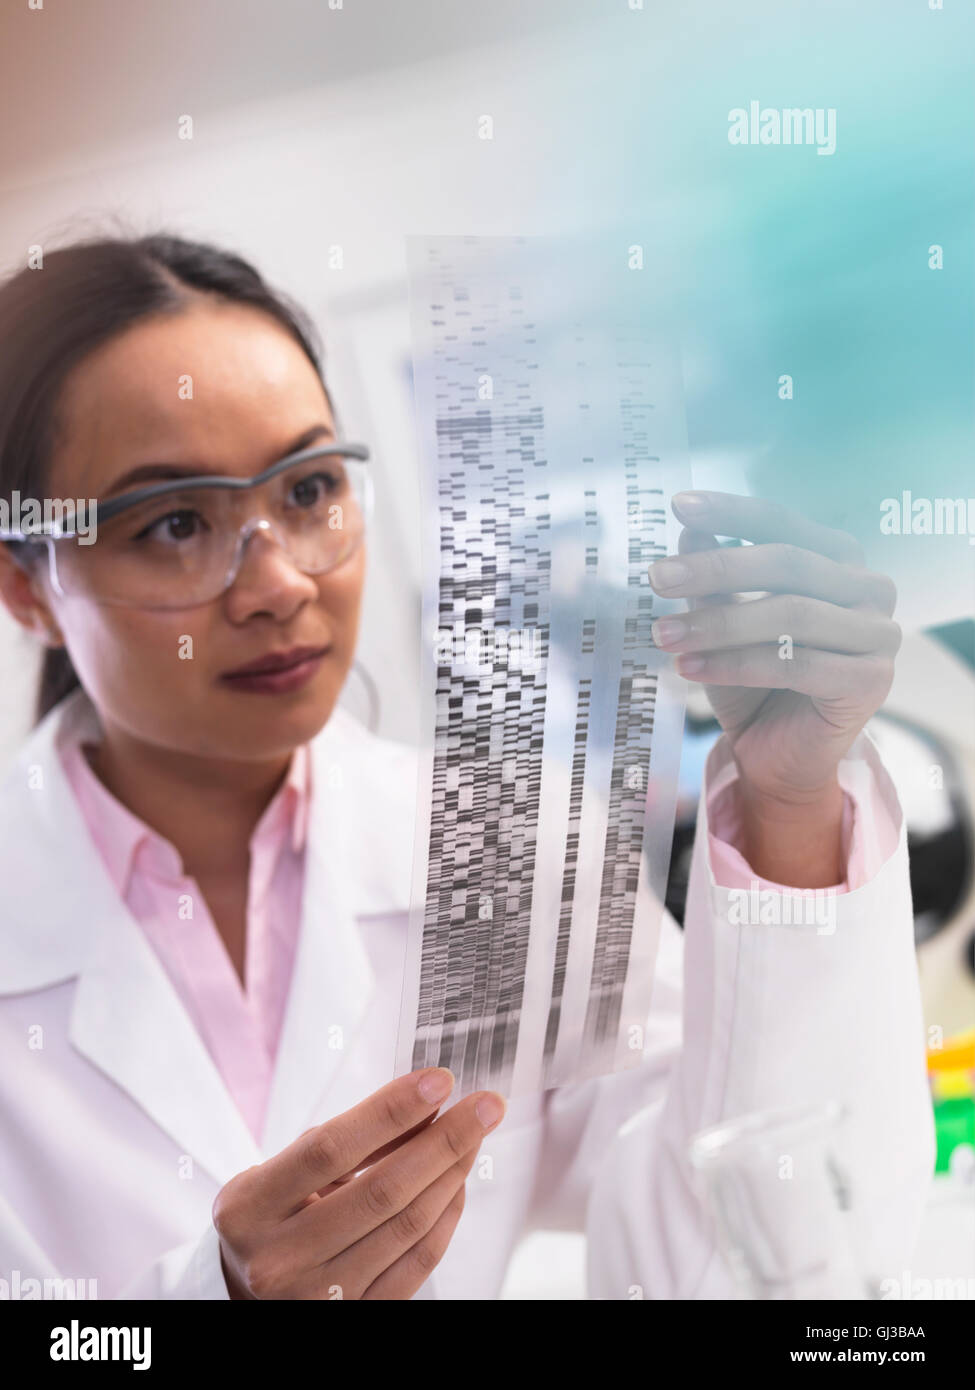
{"x": 551, "y": 435}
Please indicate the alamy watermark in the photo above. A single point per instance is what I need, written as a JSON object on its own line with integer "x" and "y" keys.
{"x": 783, "y": 907}
{"x": 908, "y": 515}
{"x": 25, "y": 1289}
{"x": 908, "y": 1286}
{"x": 474, "y": 648}
{"x": 793, "y": 125}
{"x": 53, "y": 516}
{"x": 77, "y": 1343}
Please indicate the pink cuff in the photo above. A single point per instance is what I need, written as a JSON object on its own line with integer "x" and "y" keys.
{"x": 869, "y": 836}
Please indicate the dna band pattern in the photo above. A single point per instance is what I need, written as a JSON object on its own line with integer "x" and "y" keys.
{"x": 538, "y": 435}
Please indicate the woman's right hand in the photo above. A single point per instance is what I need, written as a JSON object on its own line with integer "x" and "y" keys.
{"x": 308, "y": 1224}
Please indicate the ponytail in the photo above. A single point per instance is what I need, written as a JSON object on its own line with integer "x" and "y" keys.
{"x": 58, "y": 679}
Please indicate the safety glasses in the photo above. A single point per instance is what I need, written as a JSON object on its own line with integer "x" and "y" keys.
{"x": 181, "y": 543}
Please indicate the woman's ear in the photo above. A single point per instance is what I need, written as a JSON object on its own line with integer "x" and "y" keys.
{"x": 19, "y": 595}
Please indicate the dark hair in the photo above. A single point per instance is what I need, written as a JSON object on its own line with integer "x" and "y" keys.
{"x": 87, "y": 292}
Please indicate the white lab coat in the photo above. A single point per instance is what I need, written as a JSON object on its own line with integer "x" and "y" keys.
{"x": 116, "y": 1130}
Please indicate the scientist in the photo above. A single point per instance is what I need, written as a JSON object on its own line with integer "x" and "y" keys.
{"x": 206, "y": 863}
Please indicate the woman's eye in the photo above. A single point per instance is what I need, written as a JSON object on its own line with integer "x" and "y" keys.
{"x": 308, "y": 491}
{"x": 174, "y": 526}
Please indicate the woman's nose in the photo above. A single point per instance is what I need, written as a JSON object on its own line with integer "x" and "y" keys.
{"x": 266, "y": 578}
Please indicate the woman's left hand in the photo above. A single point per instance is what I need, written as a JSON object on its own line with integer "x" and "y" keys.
{"x": 792, "y": 676}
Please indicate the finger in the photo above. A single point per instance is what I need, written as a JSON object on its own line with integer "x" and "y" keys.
{"x": 392, "y": 1146}
{"x": 691, "y": 543}
{"x": 756, "y": 519}
{"x": 286, "y": 1269}
{"x": 411, "y": 1270}
{"x": 826, "y": 675}
{"x": 372, "y": 1158}
{"x": 400, "y": 1139}
{"x": 773, "y": 569}
{"x": 322, "y": 1155}
{"x": 806, "y": 621}
{"x": 357, "y": 1267}
{"x": 375, "y": 1196}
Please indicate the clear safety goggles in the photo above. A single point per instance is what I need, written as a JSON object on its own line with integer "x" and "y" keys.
{"x": 181, "y": 544}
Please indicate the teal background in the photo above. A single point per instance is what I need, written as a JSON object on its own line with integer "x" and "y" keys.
{"x": 775, "y": 259}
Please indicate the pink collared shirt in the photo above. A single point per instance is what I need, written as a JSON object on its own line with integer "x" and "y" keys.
{"x": 241, "y": 1025}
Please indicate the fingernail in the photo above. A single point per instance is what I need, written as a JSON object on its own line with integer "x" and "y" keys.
{"x": 489, "y": 1110}
{"x": 436, "y": 1085}
{"x": 690, "y": 665}
{"x": 666, "y": 574}
{"x": 690, "y": 501}
{"x": 668, "y": 630}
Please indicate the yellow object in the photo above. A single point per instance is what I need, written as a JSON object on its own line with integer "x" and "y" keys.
{"x": 951, "y": 1085}
{"x": 958, "y": 1054}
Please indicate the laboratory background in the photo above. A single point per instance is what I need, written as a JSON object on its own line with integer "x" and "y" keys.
{"x": 322, "y": 135}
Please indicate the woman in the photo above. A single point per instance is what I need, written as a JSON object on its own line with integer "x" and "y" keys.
{"x": 207, "y": 862}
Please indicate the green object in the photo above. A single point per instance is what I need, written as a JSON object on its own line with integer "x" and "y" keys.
{"x": 954, "y": 1124}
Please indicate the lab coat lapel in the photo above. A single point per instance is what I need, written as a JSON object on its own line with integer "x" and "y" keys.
{"x": 65, "y": 919}
{"x": 128, "y": 1020}
{"x": 332, "y": 980}
{"x": 126, "y": 1017}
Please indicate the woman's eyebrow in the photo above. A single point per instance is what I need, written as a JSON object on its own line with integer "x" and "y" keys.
{"x": 161, "y": 472}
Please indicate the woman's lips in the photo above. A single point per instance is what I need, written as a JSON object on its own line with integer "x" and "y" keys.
{"x": 277, "y": 674}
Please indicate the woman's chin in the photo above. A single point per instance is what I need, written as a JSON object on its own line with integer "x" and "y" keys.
{"x": 259, "y": 722}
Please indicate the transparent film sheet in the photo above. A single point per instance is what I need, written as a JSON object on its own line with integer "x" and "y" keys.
{"x": 551, "y": 434}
